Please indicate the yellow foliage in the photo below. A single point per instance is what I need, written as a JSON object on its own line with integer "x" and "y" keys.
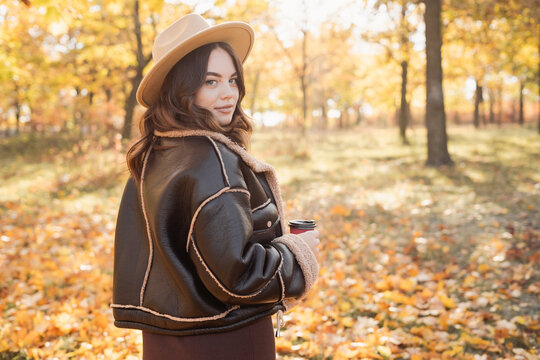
{"x": 382, "y": 285}
{"x": 447, "y": 302}
{"x": 469, "y": 280}
{"x": 340, "y": 210}
{"x": 406, "y": 284}
{"x": 484, "y": 268}
{"x": 345, "y": 306}
{"x": 347, "y": 321}
{"x": 475, "y": 341}
{"x": 397, "y": 297}
{"x": 384, "y": 351}
{"x": 101, "y": 321}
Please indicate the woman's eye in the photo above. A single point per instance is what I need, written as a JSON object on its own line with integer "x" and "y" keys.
{"x": 211, "y": 82}
{"x": 233, "y": 81}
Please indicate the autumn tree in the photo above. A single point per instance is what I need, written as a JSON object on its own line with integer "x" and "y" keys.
{"x": 500, "y": 39}
{"x": 298, "y": 55}
{"x": 469, "y": 24}
{"x": 521, "y": 21}
{"x": 337, "y": 74}
{"x": 25, "y": 66}
{"x": 398, "y": 48}
{"x": 143, "y": 56}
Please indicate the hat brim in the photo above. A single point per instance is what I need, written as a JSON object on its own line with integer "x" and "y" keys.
{"x": 237, "y": 34}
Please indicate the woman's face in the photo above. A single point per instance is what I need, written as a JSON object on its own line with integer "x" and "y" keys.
{"x": 219, "y": 93}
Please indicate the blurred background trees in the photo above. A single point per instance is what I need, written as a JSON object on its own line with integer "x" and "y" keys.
{"x": 74, "y": 66}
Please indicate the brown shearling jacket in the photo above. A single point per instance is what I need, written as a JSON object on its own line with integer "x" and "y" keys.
{"x": 201, "y": 244}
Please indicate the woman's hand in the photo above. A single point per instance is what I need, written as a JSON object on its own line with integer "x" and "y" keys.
{"x": 312, "y": 239}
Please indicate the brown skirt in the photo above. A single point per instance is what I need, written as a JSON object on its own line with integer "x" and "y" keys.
{"x": 252, "y": 342}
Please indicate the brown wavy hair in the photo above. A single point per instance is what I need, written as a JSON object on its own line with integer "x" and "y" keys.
{"x": 175, "y": 109}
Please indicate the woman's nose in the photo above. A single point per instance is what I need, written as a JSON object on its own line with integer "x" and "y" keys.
{"x": 227, "y": 91}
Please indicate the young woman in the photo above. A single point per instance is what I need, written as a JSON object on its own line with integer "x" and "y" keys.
{"x": 202, "y": 257}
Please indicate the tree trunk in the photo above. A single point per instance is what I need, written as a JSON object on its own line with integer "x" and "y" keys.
{"x": 357, "y": 107}
{"x": 129, "y": 109}
{"x": 129, "y": 106}
{"x": 17, "y": 105}
{"x": 403, "y": 108}
{"x": 478, "y": 98}
{"x": 500, "y": 106}
{"x": 324, "y": 115}
{"x": 17, "y": 115}
{"x": 403, "y": 118}
{"x": 435, "y": 116}
{"x": 521, "y": 117}
{"x": 491, "y": 106}
{"x": 253, "y": 95}
{"x": 76, "y": 112}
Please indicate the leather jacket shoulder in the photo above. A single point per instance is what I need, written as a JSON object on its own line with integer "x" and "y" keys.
{"x": 200, "y": 242}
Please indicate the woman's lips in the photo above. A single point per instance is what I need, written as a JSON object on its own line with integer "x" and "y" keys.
{"x": 225, "y": 109}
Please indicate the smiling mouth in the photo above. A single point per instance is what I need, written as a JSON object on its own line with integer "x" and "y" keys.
{"x": 225, "y": 109}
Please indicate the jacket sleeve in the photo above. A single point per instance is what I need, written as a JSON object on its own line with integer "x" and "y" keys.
{"x": 237, "y": 270}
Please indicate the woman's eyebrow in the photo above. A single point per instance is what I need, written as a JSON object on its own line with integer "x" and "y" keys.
{"x": 219, "y": 75}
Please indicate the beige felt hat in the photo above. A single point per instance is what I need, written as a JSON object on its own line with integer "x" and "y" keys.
{"x": 186, "y": 34}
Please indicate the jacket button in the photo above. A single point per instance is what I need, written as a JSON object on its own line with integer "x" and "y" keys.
{"x": 269, "y": 223}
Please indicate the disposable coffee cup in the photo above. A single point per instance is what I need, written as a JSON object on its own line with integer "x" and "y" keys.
{"x": 300, "y": 226}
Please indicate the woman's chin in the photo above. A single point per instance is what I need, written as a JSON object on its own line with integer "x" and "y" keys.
{"x": 223, "y": 120}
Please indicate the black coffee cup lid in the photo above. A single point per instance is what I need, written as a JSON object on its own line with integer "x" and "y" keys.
{"x": 303, "y": 224}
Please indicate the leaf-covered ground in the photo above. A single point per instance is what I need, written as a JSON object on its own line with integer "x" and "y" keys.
{"x": 416, "y": 262}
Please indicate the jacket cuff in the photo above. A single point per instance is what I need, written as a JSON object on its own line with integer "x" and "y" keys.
{"x": 290, "y": 303}
{"x": 305, "y": 258}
